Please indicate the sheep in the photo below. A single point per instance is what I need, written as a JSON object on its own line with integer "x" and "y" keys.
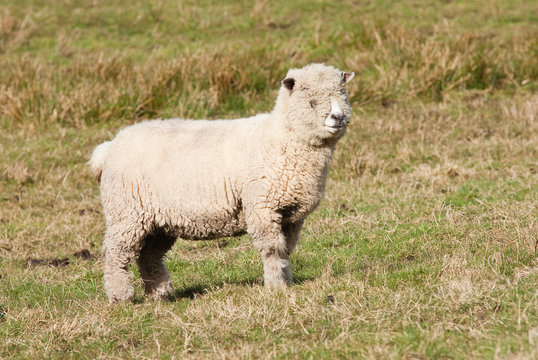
{"x": 201, "y": 179}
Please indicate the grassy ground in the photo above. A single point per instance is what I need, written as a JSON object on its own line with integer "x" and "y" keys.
{"x": 425, "y": 244}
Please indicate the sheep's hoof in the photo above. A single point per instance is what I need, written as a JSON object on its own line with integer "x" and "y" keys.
{"x": 161, "y": 293}
{"x": 117, "y": 296}
{"x": 276, "y": 284}
{"x": 166, "y": 297}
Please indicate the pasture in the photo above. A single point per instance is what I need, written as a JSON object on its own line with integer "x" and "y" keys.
{"x": 425, "y": 245}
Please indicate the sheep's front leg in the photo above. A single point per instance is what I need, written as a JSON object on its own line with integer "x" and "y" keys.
{"x": 291, "y": 233}
{"x": 270, "y": 241}
{"x": 276, "y": 264}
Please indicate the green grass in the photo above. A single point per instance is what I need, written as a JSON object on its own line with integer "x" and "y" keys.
{"x": 425, "y": 243}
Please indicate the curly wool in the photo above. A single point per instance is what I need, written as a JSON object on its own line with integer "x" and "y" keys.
{"x": 164, "y": 179}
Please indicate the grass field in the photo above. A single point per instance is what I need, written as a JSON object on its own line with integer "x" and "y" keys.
{"x": 425, "y": 244}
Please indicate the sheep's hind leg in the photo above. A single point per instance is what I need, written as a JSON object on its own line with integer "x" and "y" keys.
{"x": 154, "y": 275}
{"x": 119, "y": 249}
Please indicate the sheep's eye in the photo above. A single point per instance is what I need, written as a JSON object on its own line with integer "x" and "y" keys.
{"x": 313, "y": 103}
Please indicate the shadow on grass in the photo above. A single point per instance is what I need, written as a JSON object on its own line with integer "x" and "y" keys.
{"x": 300, "y": 279}
{"x": 194, "y": 291}
{"x": 190, "y": 292}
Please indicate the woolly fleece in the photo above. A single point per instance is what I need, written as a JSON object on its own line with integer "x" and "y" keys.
{"x": 199, "y": 179}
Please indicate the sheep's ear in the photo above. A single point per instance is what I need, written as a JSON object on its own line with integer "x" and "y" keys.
{"x": 346, "y": 77}
{"x": 288, "y": 83}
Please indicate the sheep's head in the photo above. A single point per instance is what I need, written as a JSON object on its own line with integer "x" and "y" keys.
{"x": 316, "y": 102}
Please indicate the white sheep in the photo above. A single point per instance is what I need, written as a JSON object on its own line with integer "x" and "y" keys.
{"x": 164, "y": 179}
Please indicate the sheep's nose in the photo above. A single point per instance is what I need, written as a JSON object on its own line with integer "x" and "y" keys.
{"x": 338, "y": 117}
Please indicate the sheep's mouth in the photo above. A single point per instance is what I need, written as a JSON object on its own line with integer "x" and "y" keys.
{"x": 335, "y": 123}
{"x": 335, "y": 128}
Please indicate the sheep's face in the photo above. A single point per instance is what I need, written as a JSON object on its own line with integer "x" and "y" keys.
{"x": 318, "y": 105}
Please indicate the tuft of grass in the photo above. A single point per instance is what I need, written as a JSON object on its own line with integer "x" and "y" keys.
{"x": 425, "y": 244}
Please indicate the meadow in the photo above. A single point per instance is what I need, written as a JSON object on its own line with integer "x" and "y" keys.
{"x": 425, "y": 246}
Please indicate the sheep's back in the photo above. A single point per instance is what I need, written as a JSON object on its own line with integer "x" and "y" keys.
{"x": 182, "y": 173}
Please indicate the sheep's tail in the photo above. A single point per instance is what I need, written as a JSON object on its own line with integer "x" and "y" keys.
{"x": 98, "y": 158}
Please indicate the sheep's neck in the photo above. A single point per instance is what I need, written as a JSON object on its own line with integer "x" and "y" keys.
{"x": 313, "y": 161}
{"x": 300, "y": 169}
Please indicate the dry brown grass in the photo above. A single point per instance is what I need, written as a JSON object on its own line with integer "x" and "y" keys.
{"x": 399, "y": 169}
{"x": 424, "y": 246}
{"x": 394, "y": 62}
